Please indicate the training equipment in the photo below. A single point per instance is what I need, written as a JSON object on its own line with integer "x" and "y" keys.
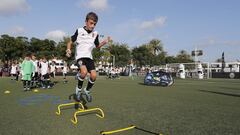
{"x": 67, "y": 104}
{"x": 128, "y": 128}
{"x": 7, "y": 92}
{"x": 197, "y": 70}
{"x": 80, "y": 110}
{"x": 35, "y": 90}
{"x": 75, "y": 120}
{"x": 116, "y": 131}
{"x": 160, "y": 78}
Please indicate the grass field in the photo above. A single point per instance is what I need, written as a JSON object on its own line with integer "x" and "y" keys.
{"x": 189, "y": 107}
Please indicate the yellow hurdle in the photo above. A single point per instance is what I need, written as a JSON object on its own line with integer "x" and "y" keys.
{"x": 118, "y": 130}
{"x": 68, "y": 104}
{"x": 127, "y": 128}
{"x": 75, "y": 120}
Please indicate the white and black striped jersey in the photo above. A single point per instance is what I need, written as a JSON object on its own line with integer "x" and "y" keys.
{"x": 14, "y": 69}
{"x": 85, "y": 42}
{"x": 44, "y": 68}
{"x": 65, "y": 69}
{"x": 36, "y": 65}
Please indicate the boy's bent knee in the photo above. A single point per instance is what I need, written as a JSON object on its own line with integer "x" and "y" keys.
{"x": 93, "y": 75}
{"x": 83, "y": 74}
{"x": 93, "y": 78}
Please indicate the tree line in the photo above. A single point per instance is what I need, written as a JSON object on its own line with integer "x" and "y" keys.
{"x": 151, "y": 53}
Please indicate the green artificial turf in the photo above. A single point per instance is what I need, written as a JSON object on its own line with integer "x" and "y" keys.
{"x": 189, "y": 107}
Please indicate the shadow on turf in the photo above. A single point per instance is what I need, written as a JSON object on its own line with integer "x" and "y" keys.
{"x": 158, "y": 85}
{"x": 221, "y": 93}
{"x": 146, "y": 131}
{"x": 87, "y": 113}
{"x": 55, "y": 82}
{"x": 229, "y": 88}
{"x": 141, "y": 83}
{"x": 41, "y": 98}
{"x": 76, "y": 106}
{"x": 83, "y": 101}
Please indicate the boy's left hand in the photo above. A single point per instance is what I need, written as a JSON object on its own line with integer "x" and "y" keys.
{"x": 68, "y": 53}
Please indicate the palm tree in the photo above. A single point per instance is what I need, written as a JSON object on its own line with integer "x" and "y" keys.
{"x": 184, "y": 57}
{"x": 155, "y": 46}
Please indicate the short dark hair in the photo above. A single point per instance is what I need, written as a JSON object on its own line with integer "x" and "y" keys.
{"x": 93, "y": 16}
{"x": 28, "y": 54}
{"x": 33, "y": 54}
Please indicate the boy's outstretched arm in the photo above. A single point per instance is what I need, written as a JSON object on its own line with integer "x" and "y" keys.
{"x": 104, "y": 42}
{"x": 69, "y": 46}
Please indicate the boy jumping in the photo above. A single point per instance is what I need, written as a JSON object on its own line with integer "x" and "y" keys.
{"x": 86, "y": 38}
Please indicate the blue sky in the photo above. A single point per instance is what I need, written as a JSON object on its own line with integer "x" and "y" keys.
{"x": 210, "y": 25}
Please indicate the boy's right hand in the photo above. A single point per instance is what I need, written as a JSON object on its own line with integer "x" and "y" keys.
{"x": 68, "y": 53}
{"x": 109, "y": 39}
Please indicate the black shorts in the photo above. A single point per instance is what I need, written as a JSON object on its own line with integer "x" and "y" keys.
{"x": 35, "y": 77}
{"x": 51, "y": 74}
{"x": 89, "y": 63}
{"x": 46, "y": 77}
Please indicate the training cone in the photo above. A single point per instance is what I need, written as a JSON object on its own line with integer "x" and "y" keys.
{"x": 7, "y": 92}
{"x": 36, "y": 90}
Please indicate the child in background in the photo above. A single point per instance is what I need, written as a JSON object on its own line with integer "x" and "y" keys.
{"x": 52, "y": 69}
{"x": 44, "y": 68}
{"x": 13, "y": 71}
{"x": 18, "y": 70}
{"x": 27, "y": 68}
{"x": 65, "y": 70}
{"x": 35, "y": 75}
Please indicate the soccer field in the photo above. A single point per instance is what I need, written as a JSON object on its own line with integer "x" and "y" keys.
{"x": 189, "y": 107}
